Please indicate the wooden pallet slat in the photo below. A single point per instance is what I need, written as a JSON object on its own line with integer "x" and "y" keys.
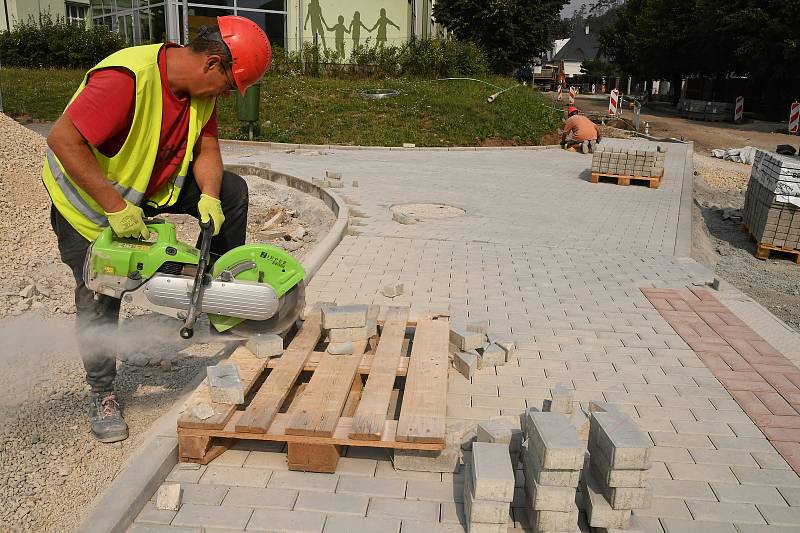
{"x": 652, "y": 182}
{"x": 270, "y": 397}
{"x": 424, "y": 408}
{"x": 763, "y": 249}
{"x": 370, "y": 416}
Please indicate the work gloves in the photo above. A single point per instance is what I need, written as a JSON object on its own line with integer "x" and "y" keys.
{"x": 129, "y": 222}
{"x": 210, "y": 208}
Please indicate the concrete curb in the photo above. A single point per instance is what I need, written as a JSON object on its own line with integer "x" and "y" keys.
{"x": 115, "y": 509}
{"x": 271, "y": 146}
{"x": 683, "y": 239}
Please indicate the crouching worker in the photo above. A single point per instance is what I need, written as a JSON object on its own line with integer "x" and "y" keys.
{"x": 580, "y": 134}
{"x": 139, "y": 138}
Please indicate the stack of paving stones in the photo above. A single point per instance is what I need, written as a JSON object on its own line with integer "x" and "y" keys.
{"x": 616, "y": 481}
{"x": 488, "y": 488}
{"x": 552, "y": 456}
{"x": 505, "y": 430}
{"x": 627, "y": 162}
{"x": 772, "y": 203}
{"x": 563, "y": 401}
{"x": 345, "y": 325}
{"x": 474, "y": 348}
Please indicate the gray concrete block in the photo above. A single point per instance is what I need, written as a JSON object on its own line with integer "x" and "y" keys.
{"x": 345, "y": 316}
{"x": 492, "y": 355}
{"x": 492, "y": 473}
{"x": 338, "y": 335}
{"x": 331, "y": 175}
{"x": 265, "y": 345}
{"x": 341, "y": 348}
{"x": 620, "y": 440}
{"x": 224, "y": 384}
{"x": 607, "y": 476}
{"x": 446, "y": 460}
{"x": 478, "y": 326}
{"x": 549, "y": 497}
{"x": 393, "y": 290}
{"x": 285, "y": 521}
{"x": 559, "y": 478}
{"x": 168, "y": 497}
{"x": 561, "y": 401}
{"x": 360, "y": 524}
{"x": 628, "y": 497}
{"x": 598, "y": 510}
{"x": 506, "y": 345}
{"x": 495, "y": 431}
{"x": 555, "y": 441}
{"x": 477, "y": 527}
{"x": 464, "y": 339}
{"x": 326, "y": 502}
{"x": 553, "y": 520}
{"x": 484, "y": 511}
{"x": 580, "y": 421}
{"x": 466, "y": 363}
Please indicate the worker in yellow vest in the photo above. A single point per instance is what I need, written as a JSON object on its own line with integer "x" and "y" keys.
{"x": 139, "y": 138}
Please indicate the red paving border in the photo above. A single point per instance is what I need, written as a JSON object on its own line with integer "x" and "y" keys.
{"x": 761, "y": 380}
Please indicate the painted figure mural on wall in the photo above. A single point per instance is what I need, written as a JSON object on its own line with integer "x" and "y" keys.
{"x": 315, "y": 15}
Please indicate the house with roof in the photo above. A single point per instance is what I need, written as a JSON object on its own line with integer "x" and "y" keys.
{"x": 582, "y": 45}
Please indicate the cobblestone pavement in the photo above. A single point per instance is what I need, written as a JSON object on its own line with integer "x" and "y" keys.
{"x": 558, "y": 264}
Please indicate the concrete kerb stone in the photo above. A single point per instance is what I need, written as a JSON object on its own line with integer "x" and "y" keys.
{"x": 273, "y": 146}
{"x": 683, "y": 237}
{"x": 115, "y": 508}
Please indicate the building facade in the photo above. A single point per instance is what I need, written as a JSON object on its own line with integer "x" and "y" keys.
{"x": 337, "y": 25}
{"x": 11, "y": 11}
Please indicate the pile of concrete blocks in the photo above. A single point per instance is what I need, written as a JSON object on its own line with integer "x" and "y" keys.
{"x": 563, "y": 401}
{"x": 552, "y": 457}
{"x": 616, "y": 480}
{"x": 488, "y": 488}
{"x": 334, "y": 179}
{"x": 505, "y": 430}
{"x": 474, "y": 348}
{"x": 347, "y": 324}
{"x": 628, "y": 162}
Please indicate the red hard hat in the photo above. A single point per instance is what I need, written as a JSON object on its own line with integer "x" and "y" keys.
{"x": 250, "y": 49}
{"x": 571, "y": 109}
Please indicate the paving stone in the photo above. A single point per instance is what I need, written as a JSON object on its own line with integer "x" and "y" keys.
{"x": 598, "y": 509}
{"x": 152, "y": 528}
{"x": 553, "y": 520}
{"x": 344, "y": 316}
{"x": 791, "y": 495}
{"x": 324, "y": 502}
{"x": 396, "y": 508}
{"x": 258, "y": 497}
{"x": 727, "y": 492}
{"x": 437, "y": 492}
{"x": 501, "y": 431}
{"x": 727, "y": 512}
{"x": 492, "y": 355}
{"x": 360, "y": 524}
{"x": 677, "y": 525}
{"x": 664, "y": 439}
{"x": 203, "y": 494}
{"x": 341, "y": 335}
{"x": 755, "y": 476}
{"x": 268, "y": 460}
{"x": 558, "y": 478}
{"x": 723, "y": 457}
{"x": 265, "y": 345}
{"x": 491, "y": 472}
{"x": 181, "y": 474}
{"x": 485, "y": 511}
{"x": 477, "y": 527}
{"x": 212, "y": 516}
{"x": 151, "y": 515}
{"x": 340, "y": 348}
{"x": 477, "y": 326}
{"x": 770, "y": 460}
{"x": 752, "y": 528}
{"x": 676, "y": 488}
{"x": 620, "y": 440}
{"x": 446, "y": 460}
{"x": 371, "y": 486}
{"x": 464, "y": 339}
{"x": 607, "y": 476}
{"x": 629, "y": 497}
{"x": 667, "y": 507}
{"x": 415, "y": 526}
{"x": 548, "y": 497}
{"x": 453, "y": 513}
{"x": 780, "y": 515}
{"x": 561, "y": 401}
{"x": 466, "y": 363}
{"x": 278, "y": 520}
{"x": 235, "y": 477}
{"x": 741, "y": 443}
{"x": 168, "y": 497}
{"x": 304, "y": 481}
{"x": 685, "y": 471}
{"x": 231, "y": 458}
{"x": 224, "y": 384}
{"x": 555, "y": 441}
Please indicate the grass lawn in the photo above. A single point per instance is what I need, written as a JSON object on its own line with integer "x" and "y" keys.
{"x": 331, "y": 111}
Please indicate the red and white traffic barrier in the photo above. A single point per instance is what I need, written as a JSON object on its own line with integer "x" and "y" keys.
{"x": 560, "y": 94}
{"x": 573, "y": 92}
{"x": 739, "y": 109}
{"x": 613, "y": 103}
{"x": 794, "y": 118}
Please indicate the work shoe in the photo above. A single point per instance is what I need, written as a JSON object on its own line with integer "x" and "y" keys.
{"x": 105, "y": 417}
{"x": 585, "y": 147}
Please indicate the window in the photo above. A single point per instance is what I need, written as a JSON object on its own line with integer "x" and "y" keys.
{"x": 76, "y": 14}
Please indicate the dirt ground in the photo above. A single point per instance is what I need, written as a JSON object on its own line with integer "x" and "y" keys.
{"x": 50, "y": 467}
{"x": 666, "y": 123}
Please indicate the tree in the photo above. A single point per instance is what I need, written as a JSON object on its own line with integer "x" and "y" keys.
{"x": 597, "y": 68}
{"x": 511, "y": 32}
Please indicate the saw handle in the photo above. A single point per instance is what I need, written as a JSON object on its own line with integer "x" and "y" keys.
{"x": 196, "y": 301}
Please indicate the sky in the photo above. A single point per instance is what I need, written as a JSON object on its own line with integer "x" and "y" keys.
{"x": 570, "y": 8}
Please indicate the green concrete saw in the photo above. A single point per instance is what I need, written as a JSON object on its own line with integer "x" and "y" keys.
{"x": 254, "y": 288}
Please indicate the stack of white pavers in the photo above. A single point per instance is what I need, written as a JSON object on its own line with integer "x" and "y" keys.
{"x": 488, "y": 488}
{"x": 627, "y": 162}
{"x": 616, "y": 480}
{"x": 348, "y": 324}
{"x": 552, "y": 456}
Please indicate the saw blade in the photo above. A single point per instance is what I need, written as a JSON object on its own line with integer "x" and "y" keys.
{"x": 290, "y": 307}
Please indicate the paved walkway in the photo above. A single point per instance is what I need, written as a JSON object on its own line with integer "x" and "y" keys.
{"x": 559, "y": 264}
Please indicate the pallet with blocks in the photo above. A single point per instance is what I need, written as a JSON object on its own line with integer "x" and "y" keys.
{"x": 651, "y": 181}
{"x": 763, "y": 249}
{"x": 392, "y": 393}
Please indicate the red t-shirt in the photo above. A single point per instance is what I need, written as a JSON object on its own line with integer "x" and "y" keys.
{"x": 103, "y": 113}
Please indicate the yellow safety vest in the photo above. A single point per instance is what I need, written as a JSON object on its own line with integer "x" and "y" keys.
{"x": 130, "y": 169}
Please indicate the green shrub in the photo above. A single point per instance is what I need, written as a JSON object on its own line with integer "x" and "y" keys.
{"x": 54, "y": 43}
{"x": 431, "y": 58}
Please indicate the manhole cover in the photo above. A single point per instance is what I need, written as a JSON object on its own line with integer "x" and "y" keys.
{"x": 429, "y": 211}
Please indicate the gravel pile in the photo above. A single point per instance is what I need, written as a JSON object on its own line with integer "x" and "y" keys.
{"x": 50, "y": 467}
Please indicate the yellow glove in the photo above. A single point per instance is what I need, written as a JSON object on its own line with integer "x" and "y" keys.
{"x": 211, "y": 208}
{"x": 128, "y": 222}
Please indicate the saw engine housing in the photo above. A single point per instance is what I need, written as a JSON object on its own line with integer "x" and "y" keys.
{"x": 253, "y": 282}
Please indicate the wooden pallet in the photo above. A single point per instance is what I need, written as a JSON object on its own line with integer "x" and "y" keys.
{"x": 763, "y": 250}
{"x": 651, "y": 181}
{"x": 317, "y": 402}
